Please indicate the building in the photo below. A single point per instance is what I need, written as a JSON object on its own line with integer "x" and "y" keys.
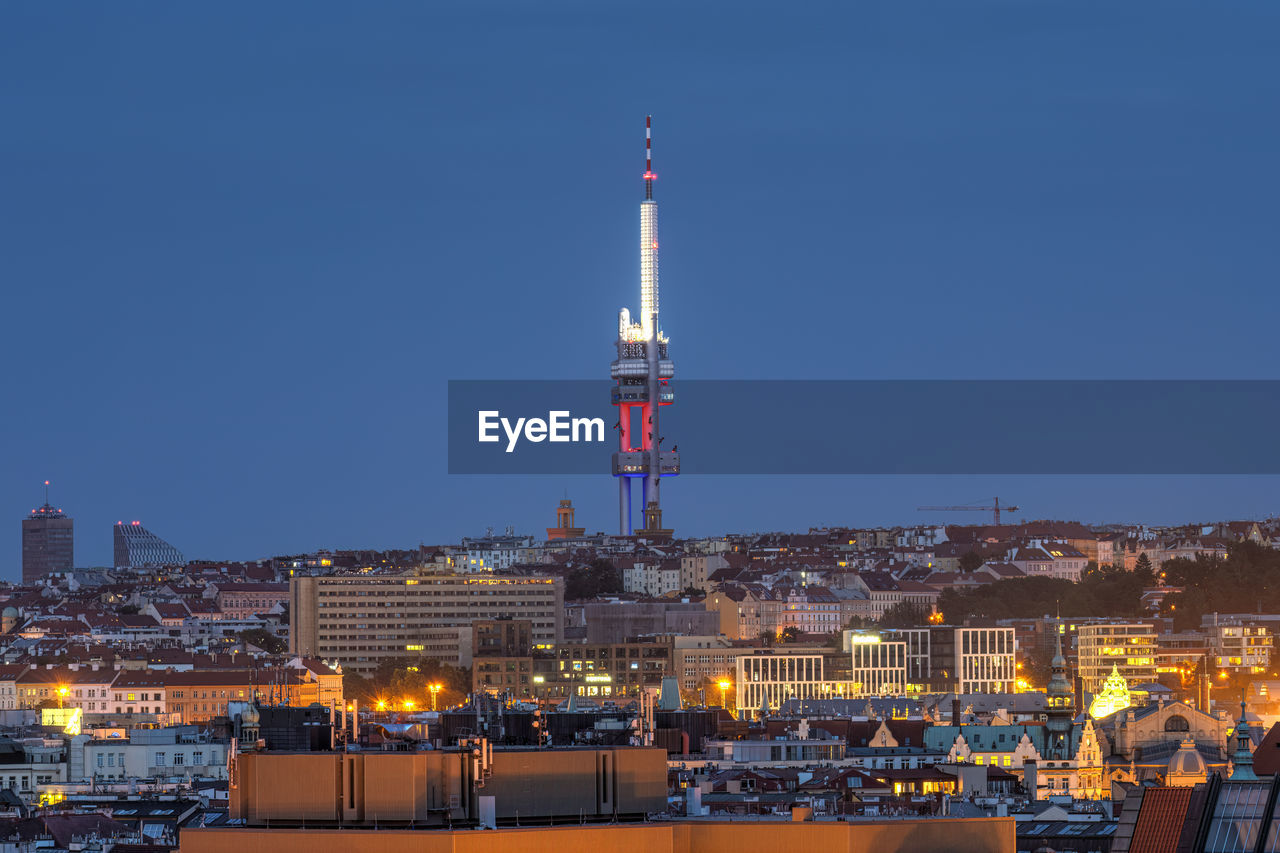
{"x": 359, "y": 620}
{"x": 705, "y": 660}
{"x": 963, "y": 659}
{"x": 879, "y": 666}
{"x": 139, "y": 548}
{"x": 652, "y": 577}
{"x": 48, "y": 542}
{"x": 618, "y": 621}
{"x": 1128, "y": 647}
{"x": 147, "y": 753}
{"x": 1239, "y": 647}
{"x": 246, "y": 600}
{"x": 768, "y": 677}
{"x": 889, "y": 835}
{"x": 501, "y": 638}
{"x": 596, "y": 672}
{"x": 564, "y": 528}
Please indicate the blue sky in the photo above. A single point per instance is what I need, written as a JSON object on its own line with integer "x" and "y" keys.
{"x": 245, "y": 246}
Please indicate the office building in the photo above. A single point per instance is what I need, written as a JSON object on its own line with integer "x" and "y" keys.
{"x": 139, "y": 548}
{"x": 48, "y": 542}
{"x": 965, "y": 659}
{"x": 766, "y": 678}
{"x": 879, "y": 666}
{"x": 360, "y": 620}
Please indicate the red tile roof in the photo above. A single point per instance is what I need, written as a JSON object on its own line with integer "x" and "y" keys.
{"x": 1164, "y": 810}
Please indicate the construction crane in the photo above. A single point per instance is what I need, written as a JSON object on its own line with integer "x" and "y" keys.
{"x": 994, "y": 508}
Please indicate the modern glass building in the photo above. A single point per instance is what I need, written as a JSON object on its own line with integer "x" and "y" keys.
{"x": 139, "y": 548}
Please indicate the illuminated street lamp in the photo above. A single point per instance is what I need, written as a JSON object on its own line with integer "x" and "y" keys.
{"x": 435, "y": 690}
{"x": 408, "y": 704}
{"x": 724, "y": 685}
{"x": 382, "y": 705}
{"x": 62, "y": 694}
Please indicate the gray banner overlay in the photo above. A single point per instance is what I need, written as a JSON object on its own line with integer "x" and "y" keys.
{"x": 882, "y": 427}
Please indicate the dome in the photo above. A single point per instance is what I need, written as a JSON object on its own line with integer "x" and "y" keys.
{"x": 1186, "y": 766}
{"x": 9, "y": 613}
{"x": 250, "y": 716}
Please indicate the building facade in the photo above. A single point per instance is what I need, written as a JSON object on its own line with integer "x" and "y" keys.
{"x": 48, "y": 543}
{"x": 359, "y": 620}
{"x": 138, "y": 548}
{"x": 1129, "y": 647}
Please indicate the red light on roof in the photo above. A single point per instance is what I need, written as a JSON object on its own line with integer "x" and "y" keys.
{"x": 137, "y": 522}
{"x": 649, "y": 176}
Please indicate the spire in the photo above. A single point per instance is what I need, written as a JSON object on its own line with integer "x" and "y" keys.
{"x": 1242, "y": 758}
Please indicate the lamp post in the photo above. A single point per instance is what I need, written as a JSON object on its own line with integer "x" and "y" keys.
{"x": 62, "y": 694}
{"x": 435, "y": 690}
{"x": 724, "y": 686}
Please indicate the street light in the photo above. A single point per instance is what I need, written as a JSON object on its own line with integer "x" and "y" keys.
{"x": 408, "y": 704}
{"x": 724, "y": 685}
{"x": 62, "y": 694}
{"x": 435, "y": 690}
{"x": 382, "y": 706}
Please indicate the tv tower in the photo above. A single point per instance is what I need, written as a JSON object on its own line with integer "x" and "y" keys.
{"x": 643, "y": 374}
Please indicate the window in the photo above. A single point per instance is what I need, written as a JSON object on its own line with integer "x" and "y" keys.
{"x": 179, "y": 758}
{"x": 159, "y": 759}
{"x": 1177, "y": 723}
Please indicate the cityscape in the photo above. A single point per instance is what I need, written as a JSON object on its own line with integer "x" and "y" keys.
{"x": 277, "y": 268}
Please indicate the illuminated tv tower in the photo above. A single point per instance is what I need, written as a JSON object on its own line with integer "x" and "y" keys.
{"x": 643, "y": 374}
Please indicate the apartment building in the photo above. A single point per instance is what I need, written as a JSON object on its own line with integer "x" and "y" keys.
{"x": 1129, "y": 647}
{"x": 359, "y": 620}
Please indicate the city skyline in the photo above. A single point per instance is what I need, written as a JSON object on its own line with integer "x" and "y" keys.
{"x": 255, "y": 328}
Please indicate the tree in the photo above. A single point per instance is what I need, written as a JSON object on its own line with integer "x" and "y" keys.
{"x": 263, "y": 639}
{"x": 398, "y": 679}
{"x": 1143, "y": 564}
{"x": 970, "y": 562}
{"x": 599, "y": 577}
{"x": 905, "y": 614}
{"x": 790, "y": 634}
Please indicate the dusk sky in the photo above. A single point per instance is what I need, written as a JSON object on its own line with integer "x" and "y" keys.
{"x": 246, "y": 245}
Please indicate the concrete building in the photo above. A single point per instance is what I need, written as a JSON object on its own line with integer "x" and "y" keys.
{"x": 618, "y": 621}
{"x": 147, "y": 753}
{"x": 440, "y": 787}
{"x": 48, "y": 542}
{"x": 896, "y": 835}
{"x": 359, "y": 620}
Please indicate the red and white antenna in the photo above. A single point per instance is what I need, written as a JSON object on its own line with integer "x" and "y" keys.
{"x": 648, "y": 158}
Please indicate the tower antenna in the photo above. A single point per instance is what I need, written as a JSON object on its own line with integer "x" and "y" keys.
{"x": 648, "y": 158}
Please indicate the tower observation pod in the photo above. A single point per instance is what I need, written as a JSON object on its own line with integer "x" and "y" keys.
{"x": 642, "y": 375}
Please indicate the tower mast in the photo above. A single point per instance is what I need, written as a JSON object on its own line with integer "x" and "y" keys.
{"x": 642, "y": 370}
